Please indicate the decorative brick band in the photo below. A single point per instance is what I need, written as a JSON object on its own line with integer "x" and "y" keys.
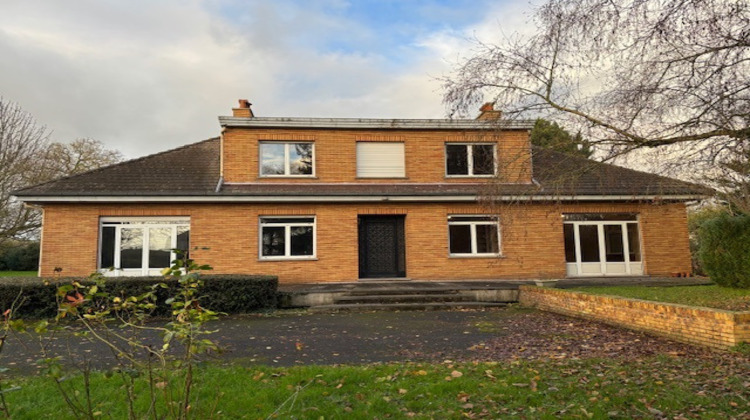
{"x": 704, "y": 326}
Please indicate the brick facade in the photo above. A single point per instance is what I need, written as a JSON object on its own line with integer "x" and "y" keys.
{"x": 216, "y": 184}
{"x": 531, "y": 236}
{"x": 708, "y": 327}
{"x": 335, "y": 154}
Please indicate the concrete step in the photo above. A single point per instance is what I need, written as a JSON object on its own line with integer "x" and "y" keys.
{"x": 370, "y": 307}
{"x": 403, "y": 297}
{"x": 401, "y": 291}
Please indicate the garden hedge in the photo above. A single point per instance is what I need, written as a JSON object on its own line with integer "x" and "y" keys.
{"x": 229, "y": 293}
{"x": 725, "y": 249}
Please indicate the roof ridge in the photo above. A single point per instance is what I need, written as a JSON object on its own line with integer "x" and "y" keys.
{"x": 114, "y": 165}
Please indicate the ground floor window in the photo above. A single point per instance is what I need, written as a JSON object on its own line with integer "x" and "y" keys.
{"x": 287, "y": 237}
{"x": 602, "y": 244}
{"x": 474, "y": 235}
{"x": 141, "y": 246}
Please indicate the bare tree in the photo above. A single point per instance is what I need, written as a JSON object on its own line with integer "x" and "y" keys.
{"x": 22, "y": 142}
{"x": 672, "y": 75}
{"x": 27, "y": 157}
{"x": 78, "y": 156}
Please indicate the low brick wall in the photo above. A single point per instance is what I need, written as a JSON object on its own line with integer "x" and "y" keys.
{"x": 704, "y": 326}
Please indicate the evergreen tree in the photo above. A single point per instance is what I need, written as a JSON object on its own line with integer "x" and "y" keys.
{"x": 548, "y": 134}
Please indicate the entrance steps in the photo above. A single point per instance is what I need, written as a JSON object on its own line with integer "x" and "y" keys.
{"x": 421, "y": 296}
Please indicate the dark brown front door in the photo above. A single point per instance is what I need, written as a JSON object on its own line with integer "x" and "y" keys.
{"x": 382, "y": 247}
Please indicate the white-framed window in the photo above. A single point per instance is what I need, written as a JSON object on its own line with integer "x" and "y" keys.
{"x": 470, "y": 159}
{"x": 286, "y": 159}
{"x": 140, "y": 246}
{"x": 380, "y": 159}
{"x": 474, "y": 235}
{"x": 287, "y": 237}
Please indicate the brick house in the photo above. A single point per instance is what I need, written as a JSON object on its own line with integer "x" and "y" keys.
{"x": 332, "y": 200}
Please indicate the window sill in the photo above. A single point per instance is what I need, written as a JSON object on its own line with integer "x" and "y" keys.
{"x": 287, "y": 177}
{"x": 382, "y": 177}
{"x": 475, "y": 256}
{"x": 276, "y": 259}
{"x": 469, "y": 176}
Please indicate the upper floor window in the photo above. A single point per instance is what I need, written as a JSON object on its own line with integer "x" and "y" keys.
{"x": 380, "y": 159}
{"x": 141, "y": 246}
{"x": 474, "y": 235}
{"x": 470, "y": 159}
{"x": 286, "y": 159}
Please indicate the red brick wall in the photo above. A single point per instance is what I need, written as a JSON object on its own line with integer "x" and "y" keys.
{"x": 707, "y": 327}
{"x": 532, "y": 238}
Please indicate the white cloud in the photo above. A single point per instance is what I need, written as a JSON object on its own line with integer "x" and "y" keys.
{"x": 145, "y": 76}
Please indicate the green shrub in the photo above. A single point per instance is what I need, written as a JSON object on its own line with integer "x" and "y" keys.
{"x": 222, "y": 293}
{"x": 19, "y": 255}
{"x": 725, "y": 249}
{"x": 696, "y": 217}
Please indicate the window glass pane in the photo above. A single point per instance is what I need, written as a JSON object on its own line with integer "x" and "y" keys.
{"x": 613, "y": 243}
{"x": 272, "y": 158}
{"x": 634, "y": 242}
{"x": 589, "y": 238}
{"x": 570, "y": 243}
{"x": 460, "y": 239}
{"x": 107, "y": 257}
{"x": 159, "y": 247}
{"x": 273, "y": 240}
{"x": 131, "y": 248}
{"x": 456, "y": 159}
{"x": 302, "y": 240}
{"x": 183, "y": 241}
{"x": 487, "y": 239}
{"x": 484, "y": 159}
{"x": 300, "y": 158}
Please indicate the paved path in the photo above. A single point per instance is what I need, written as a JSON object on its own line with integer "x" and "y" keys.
{"x": 292, "y": 338}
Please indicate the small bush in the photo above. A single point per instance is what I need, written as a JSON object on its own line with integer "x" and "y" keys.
{"x": 19, "y": 255}
{"x": 222, "y": 293}
{"x": 725, "y": 249}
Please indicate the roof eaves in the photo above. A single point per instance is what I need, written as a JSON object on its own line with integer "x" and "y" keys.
{"x": 207, "y": 197}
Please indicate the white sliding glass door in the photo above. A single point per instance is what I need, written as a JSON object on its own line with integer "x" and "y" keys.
{"x": 140, "y": 246}
{"x": 602, "y": 245}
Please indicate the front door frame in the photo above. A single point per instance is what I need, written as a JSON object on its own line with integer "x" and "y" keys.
{"x": 399, "y": 249}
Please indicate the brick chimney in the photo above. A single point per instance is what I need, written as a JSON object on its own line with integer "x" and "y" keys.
{"x": 488, "y": 112}
{"x": 243, "y": 110}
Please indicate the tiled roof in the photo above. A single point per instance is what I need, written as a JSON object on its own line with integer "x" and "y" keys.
{"x": 187, "y": 170}
{"x": 562, "y": 174}
{"x": 193, "y": 171}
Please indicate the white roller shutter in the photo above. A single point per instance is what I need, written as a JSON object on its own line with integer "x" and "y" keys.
{"x": 380, "y": 160}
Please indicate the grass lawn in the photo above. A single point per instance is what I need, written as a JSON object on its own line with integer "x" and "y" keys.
{"x": 656, "y": 387}
{"x": 18, "y": 273}
{"x": 710, "y": 296}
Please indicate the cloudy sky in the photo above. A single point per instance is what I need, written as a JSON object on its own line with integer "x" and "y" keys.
{"x": 144, "y": 76}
